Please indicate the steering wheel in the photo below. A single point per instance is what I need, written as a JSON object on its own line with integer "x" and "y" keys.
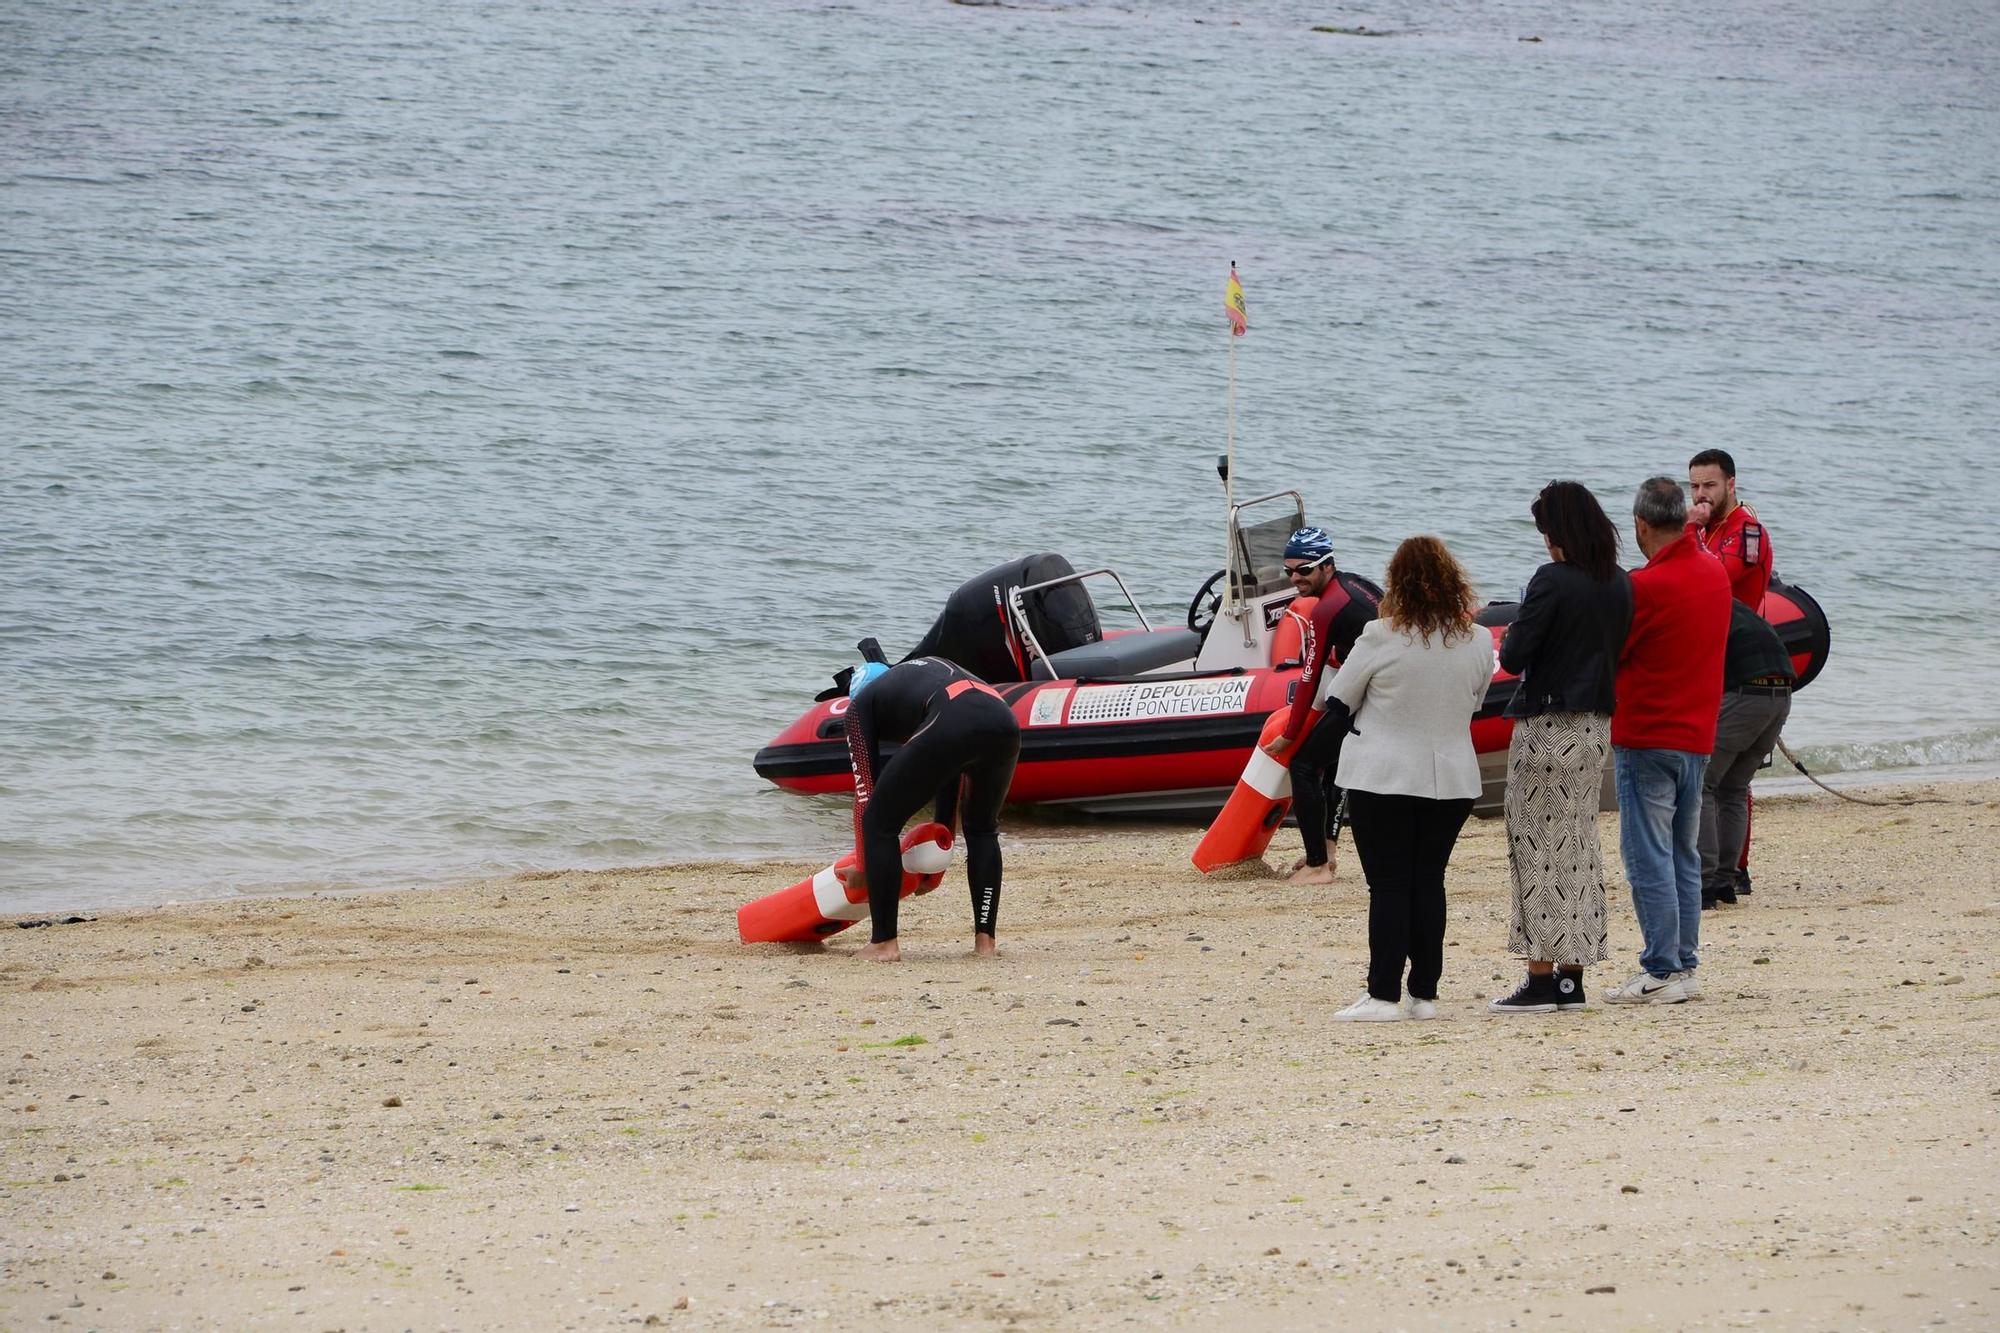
{"x": 1208, "y": 601}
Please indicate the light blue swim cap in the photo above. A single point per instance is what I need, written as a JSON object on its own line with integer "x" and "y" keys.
{"x": 865, "y": 675}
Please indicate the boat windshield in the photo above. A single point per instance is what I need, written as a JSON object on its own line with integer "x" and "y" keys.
{"x": 1260, "y": 555}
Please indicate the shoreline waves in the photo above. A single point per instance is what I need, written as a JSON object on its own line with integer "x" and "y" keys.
{"x": 827, "y": 816}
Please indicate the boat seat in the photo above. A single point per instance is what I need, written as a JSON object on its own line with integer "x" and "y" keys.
{"x": 1124, "y": 655}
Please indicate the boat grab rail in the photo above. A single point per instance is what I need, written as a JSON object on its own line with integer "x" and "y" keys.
{"x": 1298, "y": 502}
{"x": 1020, "y": 610}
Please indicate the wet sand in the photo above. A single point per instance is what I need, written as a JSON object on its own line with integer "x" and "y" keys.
{"x": 574, "y": 1101}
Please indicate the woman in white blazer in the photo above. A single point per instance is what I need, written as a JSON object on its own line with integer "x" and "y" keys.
{"x": 1414, "y": 680}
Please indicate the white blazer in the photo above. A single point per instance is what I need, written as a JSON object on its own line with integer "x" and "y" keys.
{"x": 1413, "y": 705}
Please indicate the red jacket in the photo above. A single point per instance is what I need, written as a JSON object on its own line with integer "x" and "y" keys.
{"x": 1743, "y": 545}
{"x": 1670, "y": 674}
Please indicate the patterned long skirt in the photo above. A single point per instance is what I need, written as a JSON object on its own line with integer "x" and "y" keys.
{"x": 1554, "y": 768}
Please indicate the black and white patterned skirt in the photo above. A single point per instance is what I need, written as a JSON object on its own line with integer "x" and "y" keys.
{"x": 1554, "y": 767}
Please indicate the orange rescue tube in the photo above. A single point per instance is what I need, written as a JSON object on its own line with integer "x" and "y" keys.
{"x": 826, "y": 904}
{"x": 1288, "y": 640}
{"x": 1262, "y": 798}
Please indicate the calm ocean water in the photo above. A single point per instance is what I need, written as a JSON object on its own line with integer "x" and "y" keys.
{"x": 432, "y": 445}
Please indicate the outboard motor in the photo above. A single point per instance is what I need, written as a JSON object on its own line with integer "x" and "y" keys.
{"x": 976, "y": 629}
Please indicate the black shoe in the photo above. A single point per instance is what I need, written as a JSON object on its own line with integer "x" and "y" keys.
{"x": 1707, "y": 902}
{"x": 1743, "y": 882}
{"x": 1536, "y": 995}
{"x": 1569, "y": 990}
{"x": 1725, "y": 893}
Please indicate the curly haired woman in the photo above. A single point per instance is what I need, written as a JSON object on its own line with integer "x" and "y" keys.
{"x": 1413, "y": 682}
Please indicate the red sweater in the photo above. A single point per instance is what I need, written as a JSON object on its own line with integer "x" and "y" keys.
{"x": 1670, "y": 674}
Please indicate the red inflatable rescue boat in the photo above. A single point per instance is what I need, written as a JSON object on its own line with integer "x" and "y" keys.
{"x": 1162, "y": 719}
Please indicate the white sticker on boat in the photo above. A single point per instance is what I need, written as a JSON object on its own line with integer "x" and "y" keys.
{"x": 1047, "y": 710}
{"x": 1146, "y": 702}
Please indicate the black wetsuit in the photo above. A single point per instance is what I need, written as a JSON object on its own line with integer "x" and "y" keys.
{"x": 949, "y": 723}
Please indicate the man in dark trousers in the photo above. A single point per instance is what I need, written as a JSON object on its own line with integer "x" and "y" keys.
{"x": 1730, "y": 530}
{"x": 1346, "y": 603}
{"x": 1756, "y": 699}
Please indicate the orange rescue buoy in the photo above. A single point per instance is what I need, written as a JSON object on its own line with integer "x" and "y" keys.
{"x": 1288, "y": 640}
{"x": 827, "y": 904}
{"x": 1262, "y": 799}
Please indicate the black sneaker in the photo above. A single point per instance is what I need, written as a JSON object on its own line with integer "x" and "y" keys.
{"x": 1569, "y": 990}
{"x": 1743, "y": 882}
{"x": 1536, "y": 995}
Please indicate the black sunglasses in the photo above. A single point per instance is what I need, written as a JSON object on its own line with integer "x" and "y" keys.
{"x": 1296, "y": 571}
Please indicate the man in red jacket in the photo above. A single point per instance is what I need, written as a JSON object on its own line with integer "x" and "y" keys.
{"x": 1669, "y": 691}
{"x": 1730, "y": 531}
{"x": 1727, "y": 528}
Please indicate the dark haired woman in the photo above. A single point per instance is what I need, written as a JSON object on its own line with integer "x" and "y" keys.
{"x": 1416, "y": 676}
{"x": 1564, "y": 645}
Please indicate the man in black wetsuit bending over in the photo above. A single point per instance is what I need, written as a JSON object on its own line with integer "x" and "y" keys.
{"x": 1346, "y": 604}
{"x": 950, "y": 724}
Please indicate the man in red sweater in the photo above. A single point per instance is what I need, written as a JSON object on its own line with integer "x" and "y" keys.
{"x": 1669, "y": 691}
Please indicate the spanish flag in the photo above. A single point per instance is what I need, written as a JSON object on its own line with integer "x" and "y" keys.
{"x": 1232, "y": 301}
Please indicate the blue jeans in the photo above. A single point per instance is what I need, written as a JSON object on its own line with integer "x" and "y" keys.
{"x": 1659, "y": 837}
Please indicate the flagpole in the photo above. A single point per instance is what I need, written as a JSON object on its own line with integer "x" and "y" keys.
{"x": 1234, "y": 294}
{"x": 1229, "y": 479}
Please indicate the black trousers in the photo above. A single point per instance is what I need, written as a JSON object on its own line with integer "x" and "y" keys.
{"x": 1315, "y": 798}
{"x": 1404, "y": 843}
{"x": 973, "y": 736}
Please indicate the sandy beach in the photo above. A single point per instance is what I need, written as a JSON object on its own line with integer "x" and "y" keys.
{"x": 575, "y": 1101}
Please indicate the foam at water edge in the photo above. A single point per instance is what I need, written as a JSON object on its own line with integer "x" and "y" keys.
{"x": 1980, "y": 745}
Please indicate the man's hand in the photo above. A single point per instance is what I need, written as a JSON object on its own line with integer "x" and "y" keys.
{"x": 1276, "y": 746}
{"x": 1699, "y": 512}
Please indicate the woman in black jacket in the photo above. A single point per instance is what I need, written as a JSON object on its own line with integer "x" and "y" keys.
{"x": 1564, "y": 645}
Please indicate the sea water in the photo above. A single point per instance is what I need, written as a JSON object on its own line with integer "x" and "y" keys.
{"x": 449, "y": 440}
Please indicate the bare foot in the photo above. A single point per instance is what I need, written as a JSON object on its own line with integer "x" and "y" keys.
{"x": 1306, "y": 874}
{"x": 887, "y": 951}
{"x": 1297, "y": 866}
{"x": 984, "y": 947}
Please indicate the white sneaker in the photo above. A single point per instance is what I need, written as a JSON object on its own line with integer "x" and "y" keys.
{"x": 1421, "y": 1010}
{"x": 1689, "y": 985}
{"x": 1368, "y": 1009}
{"x": 1645, "y": 988}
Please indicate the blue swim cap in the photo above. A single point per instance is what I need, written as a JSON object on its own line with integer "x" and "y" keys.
{"x": 1310, "y": 544}
{"x": 865, "y": 675}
